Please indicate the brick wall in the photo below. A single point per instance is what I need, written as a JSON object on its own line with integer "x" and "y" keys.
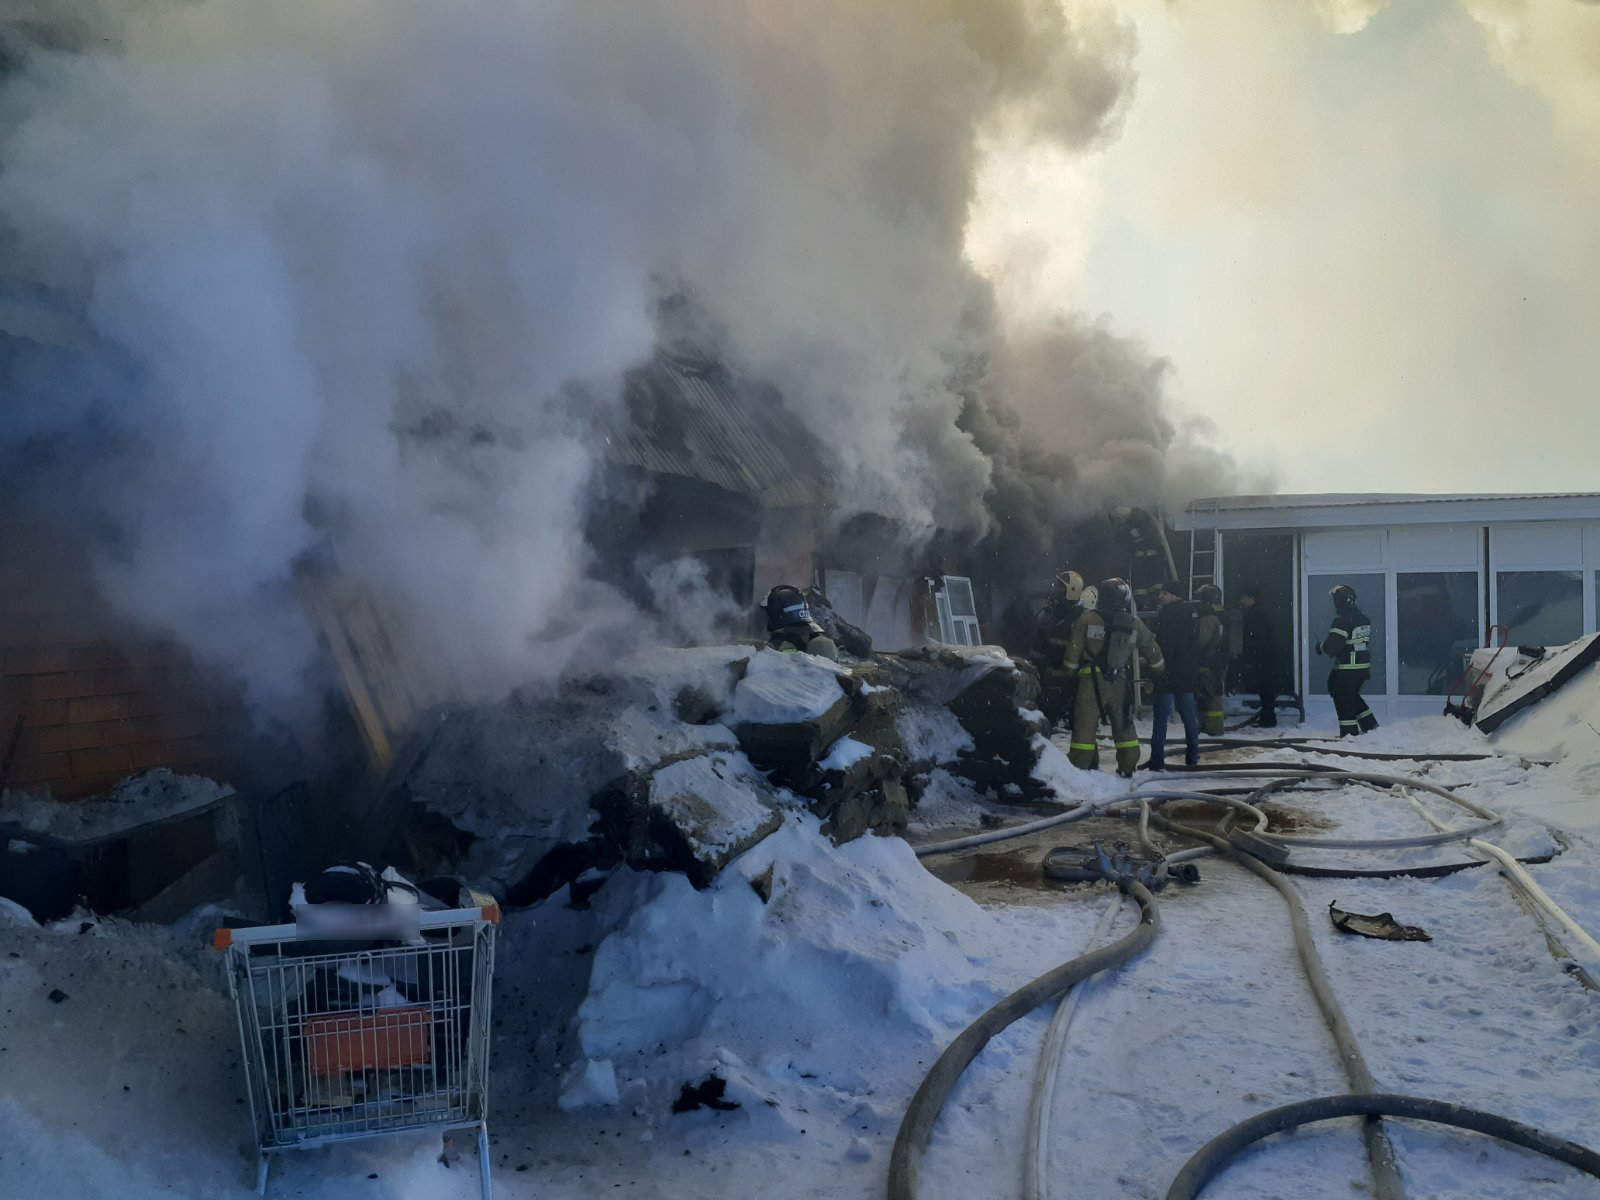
{"x": 100, "y": 700}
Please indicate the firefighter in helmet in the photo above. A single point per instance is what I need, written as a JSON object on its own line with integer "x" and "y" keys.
{"x": 1052, "y": 633}
{"x": 1151, "y": 564}
{"x": 790, "y": 628}
{"x": 1215, "y": 654}
{"x": 1349, "y": 644}
{"x": 1101, "y": 653}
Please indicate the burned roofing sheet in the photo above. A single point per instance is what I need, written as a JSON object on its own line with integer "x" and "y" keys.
{"x": 691, "y": 417}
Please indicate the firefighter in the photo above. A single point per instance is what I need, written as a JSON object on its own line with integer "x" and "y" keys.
{"x": 1216, "y": 652}
{"x": 1349, "y": 644}
{"x": 1101, "y": 652}
{"x": 1052, "y": 633}
{"x": 790, "y": 628}
{"x": 1151, "y": 565}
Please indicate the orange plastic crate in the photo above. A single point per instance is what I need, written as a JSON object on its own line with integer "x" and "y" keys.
{"x": 368, "y": 1041}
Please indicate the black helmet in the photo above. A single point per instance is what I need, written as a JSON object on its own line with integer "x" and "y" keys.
{"x": 1115, "y": 595}
{"x": 1344, "y": 596}
{"x": 785, "y": 606}
{"x": 1210, "y": 594}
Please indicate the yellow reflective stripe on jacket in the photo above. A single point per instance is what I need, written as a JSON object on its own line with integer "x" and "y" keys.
{"x": 1353, "y": 667}
{"x": 1081, "y": 746}
{"x": 1133, "y": 745}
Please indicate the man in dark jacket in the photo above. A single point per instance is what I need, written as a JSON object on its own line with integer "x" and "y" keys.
{"x": 1349, "y": 644}
{"x": 1177, "y": 636}
{"x": 1258, "y": 658}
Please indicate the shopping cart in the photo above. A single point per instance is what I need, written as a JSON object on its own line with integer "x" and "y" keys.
{"x": 360, "y": 1020}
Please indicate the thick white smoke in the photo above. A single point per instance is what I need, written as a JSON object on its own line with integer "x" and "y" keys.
{"x": 352, "y": 266}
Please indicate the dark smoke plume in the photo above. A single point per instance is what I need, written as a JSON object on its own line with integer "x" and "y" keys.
{"x": 339, "y": 273}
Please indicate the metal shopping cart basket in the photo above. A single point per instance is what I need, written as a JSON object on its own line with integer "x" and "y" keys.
{"x": 360, "y": 1020}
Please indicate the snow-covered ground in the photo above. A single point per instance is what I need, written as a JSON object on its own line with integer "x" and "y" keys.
{"x": 820, "y": 983}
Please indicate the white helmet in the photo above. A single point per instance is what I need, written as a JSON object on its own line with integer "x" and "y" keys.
{"x": 1068, "y": 585}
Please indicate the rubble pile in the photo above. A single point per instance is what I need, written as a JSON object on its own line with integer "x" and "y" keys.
{"x": 683, "y": 759}
{"x": 992, "y": 698}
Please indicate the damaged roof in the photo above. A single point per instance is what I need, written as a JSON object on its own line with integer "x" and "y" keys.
{"x": 690, "y": 416}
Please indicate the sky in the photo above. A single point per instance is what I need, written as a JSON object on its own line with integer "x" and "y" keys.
{"x": 1364, "y": 235}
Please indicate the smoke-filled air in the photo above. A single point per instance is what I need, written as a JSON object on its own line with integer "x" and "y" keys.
{"x": 361, "y": 281}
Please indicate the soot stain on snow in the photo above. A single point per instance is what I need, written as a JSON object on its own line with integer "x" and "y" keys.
{"x": 708, "y": 1093}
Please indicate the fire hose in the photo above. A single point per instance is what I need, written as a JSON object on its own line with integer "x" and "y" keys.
{"x": 917, "y": 1126}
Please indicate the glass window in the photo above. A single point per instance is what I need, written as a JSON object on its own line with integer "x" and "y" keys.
{"x": 958, "y": 614}
{"x": 1370, "y": 598}
{"x": 1541, "y": 608}
{"x": 1437, "y": 615}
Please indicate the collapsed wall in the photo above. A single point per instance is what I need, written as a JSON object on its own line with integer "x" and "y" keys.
{"x": 683, "y": 759}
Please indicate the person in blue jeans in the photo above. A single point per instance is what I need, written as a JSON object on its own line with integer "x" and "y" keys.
{"x": 1176, "y": 633}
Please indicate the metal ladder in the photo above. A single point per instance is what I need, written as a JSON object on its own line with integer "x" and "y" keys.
{"x": 1202, "y": 558}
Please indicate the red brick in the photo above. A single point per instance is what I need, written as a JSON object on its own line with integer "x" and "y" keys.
{"x": 164, "y": 700}
{"x": 14, "y": 689}
{"x": 35, "y": 716}
{"x": 208, "y": 723}
{"x": 20, "y": 630}
{"x": 90, "y": 735}
{"x": 150, "y": 654}
{"x": 98, "y": 656}
{"x": 83, "y": 787}
{"x": 63, "y": 686}
{"x": 191, "y": 750}
{"x": 130, "y": 733}
{"x": 39, "y": 768}
{"x": 46, "y": 712}
{"x": 97, "y": 708}
{"x": 38, "y": 660}
{"x": 101, "y": 761}
{"x": 126, "y": 681}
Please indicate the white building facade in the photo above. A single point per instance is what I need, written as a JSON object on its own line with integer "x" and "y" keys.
{"x": 1437, "y": 575}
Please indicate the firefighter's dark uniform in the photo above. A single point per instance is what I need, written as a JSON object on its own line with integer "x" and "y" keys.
{"x": 1101, "y": 652}
{"x": 1349, "y": 643}
{"x": 1057, "y": 685}
{"x": 1215, "y": 654}
{"x": 1149, "y": 569}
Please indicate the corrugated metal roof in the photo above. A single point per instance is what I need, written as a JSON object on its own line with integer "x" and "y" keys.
{"x": 693, "y": 418}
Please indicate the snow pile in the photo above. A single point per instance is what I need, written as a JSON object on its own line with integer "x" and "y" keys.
{"x": 858, "y": 966}
{"x": 590, "y": 1084}
{"x": 931, "y": 734}
{"x": 714, "y": 802}
{"x": 1564, "y": 725}
{"x": 514, "y": 781}
{"x": 947, "y": 801}
{"x": 786, "y": 689}
{"x": 158, "y": 795}
{"x": 844, "y": 754}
